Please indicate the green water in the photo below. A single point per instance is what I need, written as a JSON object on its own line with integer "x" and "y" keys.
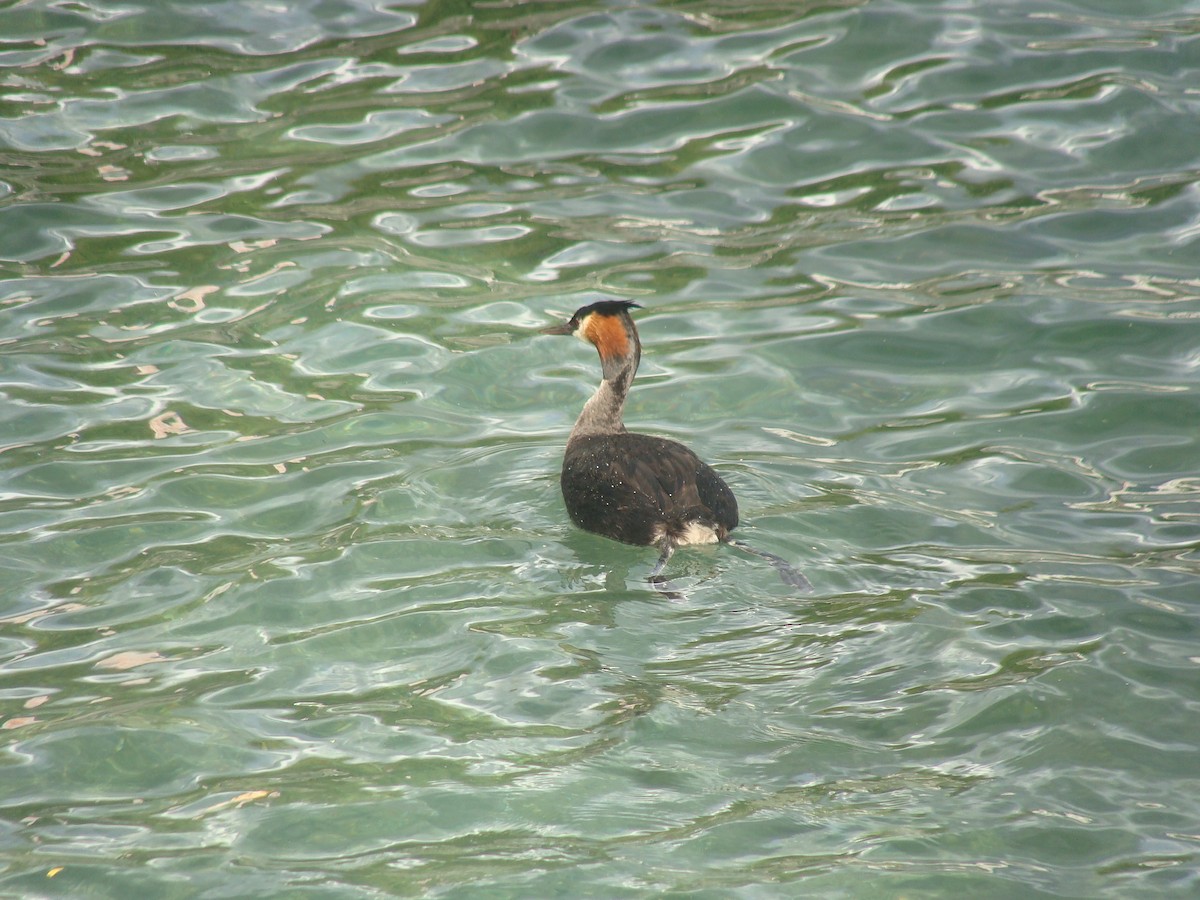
{"x": 290, "y": 604}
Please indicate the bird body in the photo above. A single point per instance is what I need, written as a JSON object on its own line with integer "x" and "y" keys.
{"x": 637, "y": 488}
{"x": 641, "y": 489}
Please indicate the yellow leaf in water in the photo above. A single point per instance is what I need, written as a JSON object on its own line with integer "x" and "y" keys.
{"x": 242, "y": 799}
{"x": 54, "y": 871}
{"x": 168, "y": 423}
{"x": 130, "y": 659}
{"x": 239, "y": 801}
{"x": 192, "y": 300}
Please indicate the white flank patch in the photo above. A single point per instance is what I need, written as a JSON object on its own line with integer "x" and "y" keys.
{"x": 697, "y": 533}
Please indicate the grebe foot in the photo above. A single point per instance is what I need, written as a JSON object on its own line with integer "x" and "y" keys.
{"x": 666, "y": 587}
{"x": 788, "y": 575}
{"x": 667, "y": 550}
{"x": 659, "y": 581}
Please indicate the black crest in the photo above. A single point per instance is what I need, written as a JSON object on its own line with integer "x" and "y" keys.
{"x": 605, "y": 308}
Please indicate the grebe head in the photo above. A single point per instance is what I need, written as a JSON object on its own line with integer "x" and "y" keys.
{"x": 609, "y": 328}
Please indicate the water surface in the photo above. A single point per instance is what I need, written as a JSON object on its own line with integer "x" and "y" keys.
{"x": 290, "y": 602}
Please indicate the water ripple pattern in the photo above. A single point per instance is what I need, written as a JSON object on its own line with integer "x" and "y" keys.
{"x": 290, "y": 603}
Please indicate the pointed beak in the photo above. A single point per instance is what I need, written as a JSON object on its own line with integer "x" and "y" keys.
{"x": 563, "y": 328}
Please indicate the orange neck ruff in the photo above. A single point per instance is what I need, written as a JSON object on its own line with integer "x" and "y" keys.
{"x": 608, "y": 334}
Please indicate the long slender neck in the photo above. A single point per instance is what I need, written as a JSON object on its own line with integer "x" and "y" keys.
{"x": 602, "y": 413}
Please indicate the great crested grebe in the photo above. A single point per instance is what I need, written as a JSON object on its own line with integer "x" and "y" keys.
{"x": 636, "y": 488}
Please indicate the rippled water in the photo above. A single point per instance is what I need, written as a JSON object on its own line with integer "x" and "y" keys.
{"x": 291, "y": 604}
